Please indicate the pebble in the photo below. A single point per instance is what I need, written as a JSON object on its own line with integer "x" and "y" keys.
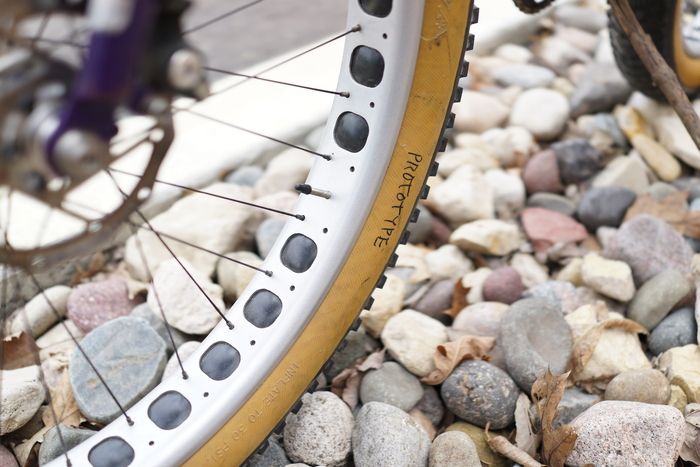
{"x": 571, "y": 272}
{"x": 513, "y": 53}
{"x": 581, "y": 17}
{"x": 421, "y": 229}
{"x": 387, "y": 303}
{"x": 680, "y": 364}
{"x": 604, "y": 206}
{"x": 632, "y": 122}
{"x": 234, "y": 277}
{"x": 41, "y": 314}
{"x": 646, "y": 385}
{"x": 185, "y": 350}
{"x": 474, "y": 283}
{"x": 608, "y": 277}
{"x": 320, "y": 433}
{"x": 283, "y": 172}
{"x": 678, "y": 399}
{"x": 465, "y": 196}
{"x": 273, "y": 456}
{"x": 477, "y": 112}
{"x": 510, "y": 145}
{"x": 624, "y": 172}
{"x": 660, "y": 190}
{"x": 185, "y": 307}
{"x": 448, "y": 262}
{"x": 542, "y": 112}
{"x": 7, "y": 459}
{"x": 657, "y": 157}
{"x": 481, "y": 393}
{"x": 453, "y": 449}
{"x": 546, "y": 228}
{"x": 357, "y": 345}
{"x": 552, "y": 202}
{"x": 577, "y": 160}
{"x": 437, "y": 299}
{"x": 649, "y": 246}
{"x": 130, "y": 354}
{"x": 531, "y": 272}
{"x": 478, "y": 436}
{"x": 657, "y": 297}
{"x": 628, "y": 433}
{"x": 385, "y": 435}
{"x": 95, "y": 303}
{"x": 559, "y": 54}
{"x": 600, "y": 87}
{"x": 488, "y": 236}
{"x": 481, "y": 319}
{"x": 535, "y": 336}
{"x": 431, "y": 405}
{"x": 393, "y": 385}
{"x": 541, "y": 174}
{"x": 508, "y": 192}
{"x": 245, "y": 176}
{"x": 673, "y": 136}
{"x": 53, "y": 446}
{"x": 478, "y": 154}
{"x": 573, "y": 402}
{"x": 523, "y": 75}
{"x": 22, "y": 395}
{"x": 503, "y": 285}
{"x": 411, "y": 338}
{"x": 561, "y": 295}
{"x": 267, "y": 234}
{"x": 675, "y": 330}
{"x": 144, "y": 312}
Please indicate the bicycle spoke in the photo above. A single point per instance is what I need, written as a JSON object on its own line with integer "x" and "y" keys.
{"x": 216, "y": 19}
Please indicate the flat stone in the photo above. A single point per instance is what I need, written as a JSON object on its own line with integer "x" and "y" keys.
{"x": 608, "y": 277}
{"x": 488, "y": 236}
{"x": 541, "y": 174}
{"x": 437, "y": 299}
{"x": 646, "y": 385}
{"x": 604, "y": 206}
{"x": 482, "y": 319}
{"x": 657, "y": 157}
{"x": 628, "y": 433}
{"x": 503, "y": 285}
{"x": 478, "y": 436}
{"x": 600, "y": 87}
{"x": 542, "y": 112}
{"x": 320, "y": 433}
{"x": 22, "y": 395}
{"x": 531, "y": 271}
{"x": 563, "y": 296}
{"x": 95, "y": 303}
{"x": 356, "y": 345}
{"x": 422, "y": 228}
{"x": 660, "y": 190}
{"x": 431, "y": 405}
{"x": 572, "y": 404}
{"x": 385, "y": 435}
{"x": 387, "y": 303}
{"x": 657, "y": 297}
{"x": 184, "y": 350}
{"x": 534, "y": 336}
{"x": 508, "y": 192}
{"x": 625, "y": 172}
{"x": 267, "y": 234}
{"x": 481, "y": 393}
{"x": 578, "y": 160}
{"x": 510, "y": 145}
{"x": 185, "y": 306}
{"x": 465, "y": 196}
{"x": 234, "y": 277}
{"x": 393, "y": 385}
{"x": 546, "y": 228}
{"x": 53, "y": 446}
{"x": 144, "y": 312}
{"x": 525, "y": 76}
{"x": 674, "y": 137}
{"x": 7, "y": 459}
{"x": 676, "y": 330}
{"x": 477, "y": 112}
{"x": 453, "y": 449}
{"x": 448, "y": 262}
{"x": 41, "y": 314}
{"x": 682, "y": 368}
{"x": 126, "y": 351}
{"x": 411, "y": 338}
{"x": 552, "y": 202}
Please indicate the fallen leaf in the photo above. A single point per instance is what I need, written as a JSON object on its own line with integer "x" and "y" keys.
{"x": 585, "y": 346}
{"x": 556, "y": 443}
{"x": 27, "y": 451}
{"x": 672, "y": 208}
{"x": 692, "y": 429}
{"x": 346, "y": 384}
{"x": 501, "y": 445}
{"x": 64, "y": 407}
{"x": 459, "y": 299}
{"x": 526, "y": 437}
{"x": 424, "y": 422}
{"x": 19, "y": 351}
{"x": 448, "y": 356}
{"x": 95, "y": 265}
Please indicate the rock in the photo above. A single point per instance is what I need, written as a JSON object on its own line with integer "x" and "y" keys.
{"x": 385, "y": 435}
{"x": 22, "y": 395}
{"x": 657, "y": 297}
{"x": 571, "y": 272}
{"x": 659, "y": 191}
{"x": 600, "y": 87}
{"x": 436, "y": 300}
{"x": 510, "y": 145}
{"x": 656, "y": 156}
{"x": 674, "y": 137}
{"x": 387, "y": 303}
{"x": 689, "y": 184}
{"x": 208, "y": 222}
{"x": 185, "y": 307}
{"x": 474, "y": 283}
{"x": 546, "y": 228}
{"x": 608, "y": 277}
{"x": 650, "y": 246}
{"x": 235, "y": 277}
{"x": 320, "y": 433}
{"x": 531, "y": 272}
{"x": 508, "y": 190}
{"x": 393, "y": 385}
{"x": 534, "y": 336}
{"x": 411, "y": 338}
{"x": 478, "y": 436}
{"x": 185, "y": 350}
{"x": 282, "y": 200}
{"x": 431, "y": 405}
{"x": 144, "y": 312}
{"x": 552, "y": 202}
{"x": 95, "y": 303}
{"x": 424, "y": 423}
{"x": 480, "y": 393}
{"x": 572, "y": 404}
{"x": 682, "y": 368}
{"x": 57, "y": 340}
{"x": 39, "y": 313}
{"x": 675, "y": 330}
{"x": 453, "y": 449}
{"x": 267, "y": 234}
{"x": 130, "y": 354}
{"x": 559, "y": 54}
{"x": 6, "y": 458}
{"x": 542, "y": 112}
{"x": 488, "y": 236}
{"x": 284, "y": 171}
{"x": 581, "y": 17}
{"x": 577, "y": 159}
{"x": 628, "y": 433}
{"x": 273, "y": 456}
{"x": 503, "y": 285}
{"x": 356, "y": 345}
{"x": 561, "y": 295}
{"x": 448, "y": 262}
{"x": 624, "y": 172}
{"x": 245, "y": 176}
{"x": 53, "y": 446}
{"x": 604, "y": 206}
{"x": 678, "y": 399}
{"x": 523, "y": 75}
{"x": 421, "y": 229}
{"x": 478, "y": 112}
{"x": 646, "y": 385}
{"x": 481, "y": 319}
{"x": 478, "y": 155}
{"x": 465, "y": 196}
{"x": 513, "y": 53}
{"x": 541, "y": 174}
{"x": 632, "y": 122}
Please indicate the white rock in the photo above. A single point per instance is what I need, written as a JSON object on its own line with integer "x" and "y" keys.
{"x": 559, "y": 54}
{"x": 513, "y": 53}
{"x": 448, "y": 262}
{"x": 284, "y": 171}
{"x": 531, "y": 272}
{"x": 488, "y": 236}
{"x": 674, "y": 137}
{"x": 474, "y": 282}
{"x": 57, "y": 340}
{"x": 509, "y": 192}
{"x": 185, "y": 307}
{"x": 626, "y": 172}
{"x": 234, "y": 277}
{"x": 682, "y": 368}
{"x": 387, "y": 303}
{"x": 511, "y": 145}
{"x": 475, "y": 156}
{"x": 465, "y": 196}
{"x": 542, "y": 112}
{"x": 39, "y": 314}
{"x": 22, "y": 395}
{"x": 201, "y": 220}
{"x": 453, "y": 449}
{"x": 281, "y": 200}
{"x": 571, "y": 272}
{"x": 411, "y": 338}
{"x": 608, "y": 277}
{"x": 185, "y": 350}
{"x": 478, "y": 112}
{"x": 413, "y": 257}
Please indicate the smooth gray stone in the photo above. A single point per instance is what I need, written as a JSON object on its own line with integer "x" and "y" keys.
{"x": 266, "y": 235}
{"x": 51, "y": 446}
{"x": 422, "y": 228}
{"x": 144, "y": 312}
{"x": 604, "y": 206}
{"x": 572, "y": 404}
{"x": 657, "y": 297}
{"x": 577, "y": 159}
{"x": 393, "y": 385}
{"x": 431, "y": 405}
{"x": 245, "y": 176}
{"x": 675, "y": 330}
{"x": 356, "y": 345}
{"x": 273, "y": 456}
{"x": 553, "y": 202}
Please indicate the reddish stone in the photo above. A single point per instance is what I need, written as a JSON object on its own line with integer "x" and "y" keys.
{"x": 6, "y": 458}
{"x": 546, "y": 228}
{"x": 504, "y": 285}
{"x": 541, "y": 174}
{"x": 95, "y": 303}
{"x": 440, "y": 233}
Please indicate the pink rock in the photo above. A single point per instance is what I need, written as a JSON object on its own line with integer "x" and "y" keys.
{"x": 545, "y": 228}
{"x": 7, "y": 459}
{"x": 440, "y": 233}
{"x": 95, "y": 303}
{"x": 503, "y": 285}
{"x": 541, "y": 174}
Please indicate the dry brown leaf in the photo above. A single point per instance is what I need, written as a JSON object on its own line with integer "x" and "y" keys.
{"x": 19, "y": 351}
{"x": 526, "y": 437}
{"x": 346, "y": 384}
{"x": 585, "y": 346}
{"x": 95, "y": 265}
{"x": 448, "y": 356}
{"x": 556, "y": 443}
{"x": 672, "y": 209}
{"x": 27, "y": 451}
{"x": 57, "y": 381}
{"x": 459, "y": 299}
{"x": 501, "y": 445}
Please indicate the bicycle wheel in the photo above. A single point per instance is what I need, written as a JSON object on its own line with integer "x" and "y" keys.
{"x": 401, "y": 69}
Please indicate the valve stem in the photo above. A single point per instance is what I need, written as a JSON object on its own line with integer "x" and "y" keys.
{"x": 305, "y": 189}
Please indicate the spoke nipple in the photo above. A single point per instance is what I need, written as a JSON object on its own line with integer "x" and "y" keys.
{"x": 129, "y": 421}
{"x": 185, "y": 375}
{"x": 305, "y": 189}
{"x": 229, "y": 324}
{"x": 356, "y": 28}
{"x": 268, "y": 273}
{"x": 301, "y": 217}
{"x": 344, "y": 94}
